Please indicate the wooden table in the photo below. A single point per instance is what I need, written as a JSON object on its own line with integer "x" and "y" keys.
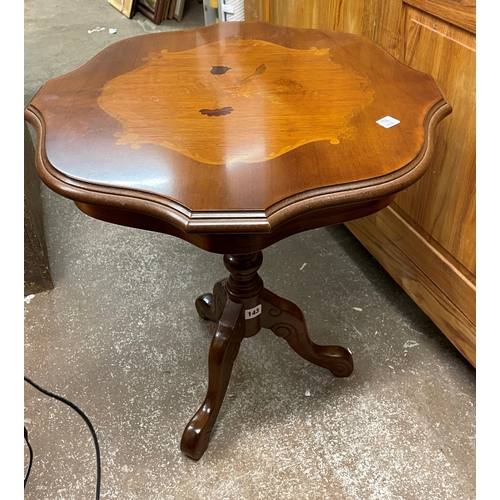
{"x": 233, "y": 137}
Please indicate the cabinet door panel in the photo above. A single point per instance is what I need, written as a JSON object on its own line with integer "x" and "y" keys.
{"x": 461, "y": 13}
{"x": 442, "y": 203}
{"x": 426, "y": 238}
{"x": 433, "y": 284}
{"x": 320, "y": 14}
{"x": 382, "y": 23}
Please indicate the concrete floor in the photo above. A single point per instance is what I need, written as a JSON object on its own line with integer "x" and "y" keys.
{"x": 119, "y": 337}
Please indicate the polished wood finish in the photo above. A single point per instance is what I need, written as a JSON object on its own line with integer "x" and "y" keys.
{"x": 154, "y": 10}
{"x": 233, "y": 137}
{"x": 461, "y": 13}
{"x": 95, "y": 145}
{"x": 252, "y": 87}
{"x": 278, "y": 223}
{"x": 453, "y": 185}
{"x": 392, "y": 241}
{"x": 242, "y": 306}
{"x": 223, "y": 351}
{"x": 440, "y": 209}
{"x": 351, "y": 17}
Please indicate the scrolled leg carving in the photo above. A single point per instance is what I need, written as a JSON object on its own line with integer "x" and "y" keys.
{"x": 243, "y": 292}
{"x": 223, "y": 351}
{"x": 211, "y": 305}
{"x": 286, "y": 320}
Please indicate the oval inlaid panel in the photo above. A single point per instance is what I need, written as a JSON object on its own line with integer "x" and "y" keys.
{"x": 257, "y": 99}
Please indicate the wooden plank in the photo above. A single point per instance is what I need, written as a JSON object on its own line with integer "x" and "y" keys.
{"x": 443, "y": 202}
{"x": 447, "y": 317}
{"x": 257, "y": 10}
{"x": 441, "y": 268}
{"x": 461, "y": 13}
{"x": 383, "y": 22}
{"x": 350, "y": 17}
{"x": 321, "y": 14}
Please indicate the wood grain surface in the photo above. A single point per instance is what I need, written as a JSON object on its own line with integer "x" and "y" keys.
{"x": 451, "y": 184}
{"x": 237, "y": 127}
{"x": 438, "y": 218}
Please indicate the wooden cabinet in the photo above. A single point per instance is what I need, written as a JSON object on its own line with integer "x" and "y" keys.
{"x": 426, "y": 238}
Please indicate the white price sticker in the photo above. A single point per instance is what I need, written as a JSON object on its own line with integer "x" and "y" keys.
{"x": 388, "y": 121}
{"x": 252, "y": 313}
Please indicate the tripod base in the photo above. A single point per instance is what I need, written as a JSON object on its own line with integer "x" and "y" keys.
{"x": 242, "y": 306}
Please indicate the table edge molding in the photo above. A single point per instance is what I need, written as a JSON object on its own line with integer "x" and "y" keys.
{"x": 249, "y": 221}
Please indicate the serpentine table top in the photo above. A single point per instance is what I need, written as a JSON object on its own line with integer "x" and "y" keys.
{"x": 236, "y": 128}
{"x": 233, "y": 137}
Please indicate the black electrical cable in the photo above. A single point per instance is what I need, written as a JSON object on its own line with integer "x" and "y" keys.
{"x": 31, "y": 456}
{"x": 89, "y": 425}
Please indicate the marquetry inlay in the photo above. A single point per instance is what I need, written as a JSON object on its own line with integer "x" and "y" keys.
{"x": 235, "y": 100}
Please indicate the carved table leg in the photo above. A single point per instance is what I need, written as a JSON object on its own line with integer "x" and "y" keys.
{"x": 286, "y": 320}
{"x": 243, "y": 306}
{"x": 211, "y": 305}
{"x": 223, "y": 351}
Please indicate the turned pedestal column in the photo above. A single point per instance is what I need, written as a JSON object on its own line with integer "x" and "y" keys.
{"x": 242, "y": 306}
{"x": 234, "y": 137}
